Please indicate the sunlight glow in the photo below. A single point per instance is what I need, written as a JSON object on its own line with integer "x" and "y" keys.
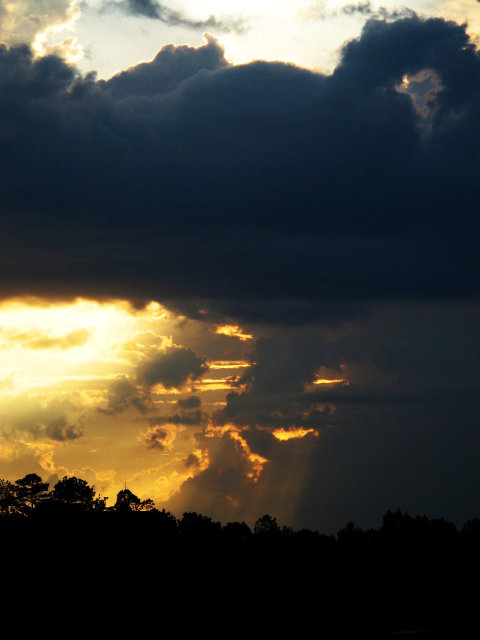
{"x": 229, "y": 364}
{"x": 69, "y": 48}
{"x": 233, "y": 331}
{"x": 293, "y": 433}
{"x": 256, "y": 461}
{"x": 44, "y": 344}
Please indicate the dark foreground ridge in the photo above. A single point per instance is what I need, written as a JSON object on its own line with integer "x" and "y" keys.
{"x": 413, "y": 574}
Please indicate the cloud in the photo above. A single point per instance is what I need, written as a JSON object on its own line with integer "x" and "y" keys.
{"x": 319, "y": 11}
{"x": 173, "y": 368}
{"x": 170, "y": 67}
{"x": 191, "y": 417}
{"x": 189, "y": 404}
{"x": 368, "y": 10}
{"x": 25, "y": 417}
{"x": 39, "y": 340}
{"x": 155, "y": 10}
{"x": 401, "y": 432}
{"x": 362, "y": 195}
{"x": 122, "y": 395}
{"x": 36, "y": 21}
{"x": 60, "y": 430}
{"x": 159, "y": 437}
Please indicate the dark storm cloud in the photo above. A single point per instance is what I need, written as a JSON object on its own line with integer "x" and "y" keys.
{"x": 159, "y": 11}
{"x": 173, "y": 368}
{"x": 240, "y": 185}
{"x": 171, "y": 66}
{"x": 193, "y": 402}
{"x": 402, "y": 432}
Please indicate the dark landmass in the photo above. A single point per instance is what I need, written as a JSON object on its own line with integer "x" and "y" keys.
{"x": 414, "y": 574}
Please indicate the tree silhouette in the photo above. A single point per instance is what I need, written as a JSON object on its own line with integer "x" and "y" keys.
{"x": 238, "y": 531}
{"x": 266, "y": 526}
{"x": 194, "y": 525}
{"x": 74, "y": 491}
{"x": 30, "y": 491}
{"x": 8, "y": 500}
{"x": 126, "y": 501}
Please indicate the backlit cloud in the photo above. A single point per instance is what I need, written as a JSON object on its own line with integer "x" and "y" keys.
{"x": 38, "y": 23}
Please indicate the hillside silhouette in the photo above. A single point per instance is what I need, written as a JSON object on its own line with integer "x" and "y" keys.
{"x": 412, "y": 574}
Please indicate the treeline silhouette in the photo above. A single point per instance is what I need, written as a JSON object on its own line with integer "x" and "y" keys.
{"x": 413, "y": 573}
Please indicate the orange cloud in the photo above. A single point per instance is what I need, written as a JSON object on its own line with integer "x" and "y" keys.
{"x": 256, "y": 461}
{"x": 233, "y": 331}
{"x": 293, "y": 433}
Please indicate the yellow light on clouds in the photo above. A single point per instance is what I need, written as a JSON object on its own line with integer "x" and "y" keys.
{"x": 233, "y": 331}
{"x": 293, "y": 433}
{"x": 69, "y": 48}
{"x": 256, "y": 461}
{"x": 42, "y": 343}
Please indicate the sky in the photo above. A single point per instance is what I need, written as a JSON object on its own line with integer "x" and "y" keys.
{"x": 239, "y": 266}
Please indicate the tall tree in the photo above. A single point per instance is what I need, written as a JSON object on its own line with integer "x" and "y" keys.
{"x": 8, "y": 500}
{"x": 266, "y": 526}
{"x": 74, "y": 491}
{"x": 128, "y": 501}
{"x": 30, "y": 490}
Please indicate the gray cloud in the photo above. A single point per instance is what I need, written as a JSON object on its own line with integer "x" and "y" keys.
{"x": 368, "y": 10}
{"x": 28, "y": 417}
{"x": 173, "y": 368}
{"x": 122, "y": 395}
{"x": 21, "y": 22}
{"x": 170, "y": 67}
{"x": 189, "y": 404}
{"x": 192, "y": 417}
{"x": 60, "y": 430}
{"x": 364, "y": 8}
{"x": 155, "y": 10}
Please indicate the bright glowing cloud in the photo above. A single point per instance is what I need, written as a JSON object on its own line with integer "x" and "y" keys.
{"x": 43, "y": 24}
{"x": 256, "y": 462}
{"x": 233, "y": 331}
{"x": 293, "y": 433}
{"x": 102, "y": 390}
{"x": 232, "y": 364}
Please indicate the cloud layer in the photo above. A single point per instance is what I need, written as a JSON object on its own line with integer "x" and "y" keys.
{"x": 189, "y": 177}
